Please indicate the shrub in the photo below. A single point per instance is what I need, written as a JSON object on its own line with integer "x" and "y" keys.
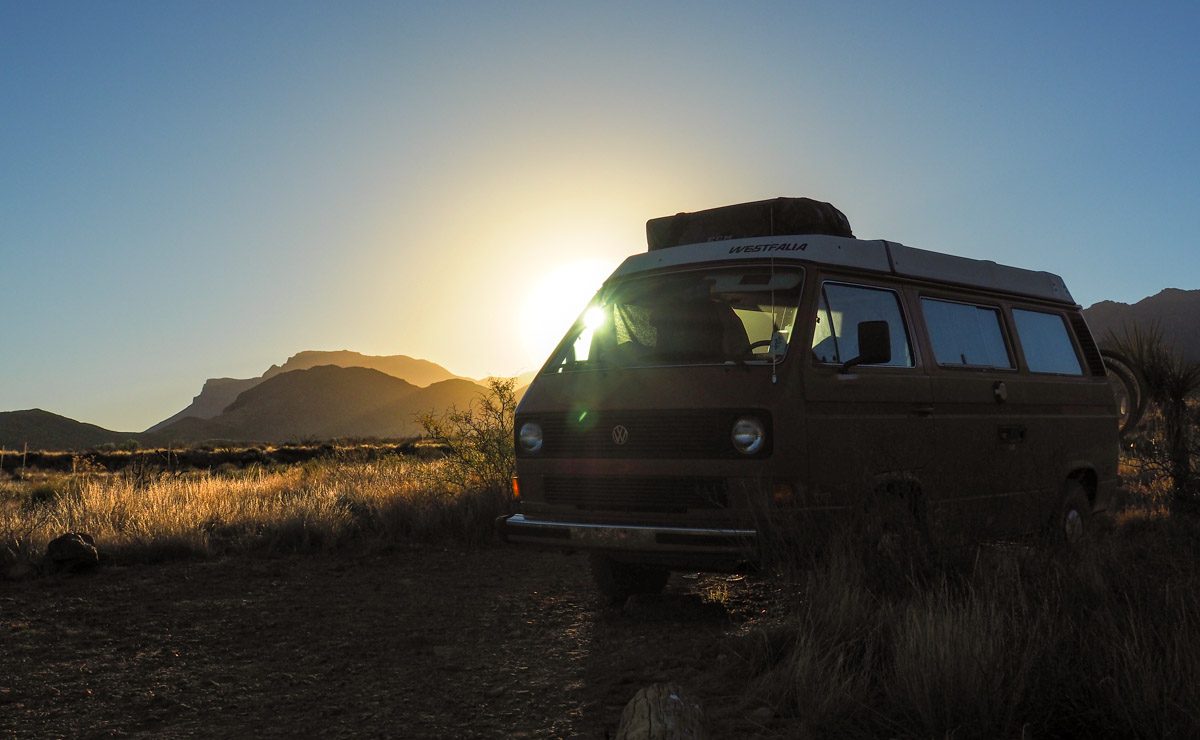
{"x": 478, "y": 439}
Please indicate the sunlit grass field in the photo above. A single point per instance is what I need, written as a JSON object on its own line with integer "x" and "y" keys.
{"x": 145, "y": 515}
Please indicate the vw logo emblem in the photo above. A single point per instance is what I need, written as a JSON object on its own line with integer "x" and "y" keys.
{"x": 620, "y": 435}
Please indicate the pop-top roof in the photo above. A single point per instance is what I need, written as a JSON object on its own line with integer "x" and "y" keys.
{"x": 875, "y": 256}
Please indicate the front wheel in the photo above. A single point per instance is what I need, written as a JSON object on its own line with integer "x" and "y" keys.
{"x": 618, "y": 581}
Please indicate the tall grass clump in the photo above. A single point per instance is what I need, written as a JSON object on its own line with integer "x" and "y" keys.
{"x": 1015, "y": 641}
{"x": 819, "y": 666}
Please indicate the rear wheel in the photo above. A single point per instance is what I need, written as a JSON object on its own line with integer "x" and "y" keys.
{"x": 618, "y": 581}
{"x": 1074, "y": 517}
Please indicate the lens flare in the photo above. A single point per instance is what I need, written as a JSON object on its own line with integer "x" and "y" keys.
{"x": 594, "y": 318}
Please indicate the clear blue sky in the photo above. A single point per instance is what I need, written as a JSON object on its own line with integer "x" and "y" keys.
{"x": 201, "y": 189}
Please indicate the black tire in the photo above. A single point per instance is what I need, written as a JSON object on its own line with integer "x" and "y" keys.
{"x": 896, "y": 546}
{"x": 617, "y": 581}
{"x": 896, "y": 512}
{"x": 1072, "y": 521}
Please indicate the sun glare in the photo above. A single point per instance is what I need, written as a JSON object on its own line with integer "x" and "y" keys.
{"x": 594, "y": 318}
{"x": 553, "y": 302}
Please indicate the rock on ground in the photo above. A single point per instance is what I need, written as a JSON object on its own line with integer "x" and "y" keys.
{"x": 662, "y": 712}
{"x": 71, "y": 553}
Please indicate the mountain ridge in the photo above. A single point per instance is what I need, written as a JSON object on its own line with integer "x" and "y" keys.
{"x": 326, "y": 402}
{"x": 41, "y": 429}
{"x": 1174, "y": 311}
{"x": 281, "y": 405}
{"x": 217, "y": 393}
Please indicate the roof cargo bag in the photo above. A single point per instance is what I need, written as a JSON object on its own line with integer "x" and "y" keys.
{"x": 773, "y": 217}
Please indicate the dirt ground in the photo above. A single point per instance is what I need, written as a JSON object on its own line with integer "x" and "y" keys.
{"x": 496, "y": 642}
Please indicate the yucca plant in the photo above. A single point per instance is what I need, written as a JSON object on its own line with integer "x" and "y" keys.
{"x": 1171, "y": 382}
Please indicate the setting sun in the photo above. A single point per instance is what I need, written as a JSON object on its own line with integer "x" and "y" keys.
{"x": 554, "y": 300}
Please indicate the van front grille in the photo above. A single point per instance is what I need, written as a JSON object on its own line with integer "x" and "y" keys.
{"x": 673, "y": 434}
{"x": 657, "y": 495}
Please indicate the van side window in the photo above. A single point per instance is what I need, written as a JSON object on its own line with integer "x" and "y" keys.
{"x": 965, "y": 335}
{"x": 842, "y": 307}
{"x": 1046, "y": 342}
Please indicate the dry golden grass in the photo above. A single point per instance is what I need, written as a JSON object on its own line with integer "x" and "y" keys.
{"x": 142, "y": 515}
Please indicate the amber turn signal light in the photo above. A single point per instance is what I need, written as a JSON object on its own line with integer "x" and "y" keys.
{"x": 516, "y": 488}
{"x": 783, "y": 494}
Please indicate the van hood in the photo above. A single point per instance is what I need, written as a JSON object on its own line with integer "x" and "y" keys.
{"x": 683, "y": 387}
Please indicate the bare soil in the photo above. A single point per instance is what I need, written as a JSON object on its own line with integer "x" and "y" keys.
{"x": 493, "y": 642}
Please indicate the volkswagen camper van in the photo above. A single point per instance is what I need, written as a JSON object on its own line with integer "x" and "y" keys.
{"x": 760, "y": 364}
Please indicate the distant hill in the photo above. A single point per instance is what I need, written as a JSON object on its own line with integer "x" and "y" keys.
{"x": 313, "y": 396}
{"x": 324, "y": 402}
{"x": 416, "y": 371}
{"x": 217, "y": 393}
{"x": 1175, "y": 311}
{"x": 42, "y": 430}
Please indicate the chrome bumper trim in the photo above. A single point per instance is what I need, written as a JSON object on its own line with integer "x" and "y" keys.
{"x": 518, "y": 528}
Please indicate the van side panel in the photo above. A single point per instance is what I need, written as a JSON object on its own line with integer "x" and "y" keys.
{"x": 1072, "y": 419}
{"x": 1008, "y": 438}
{"x": 872, "y": 425}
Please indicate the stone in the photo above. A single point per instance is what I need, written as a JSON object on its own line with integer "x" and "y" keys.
{"x": 72, "y": 552}
{"x": 662, "y": 711}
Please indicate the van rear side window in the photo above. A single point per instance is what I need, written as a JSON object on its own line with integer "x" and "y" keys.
{"x": 966, "y": 335}
{"x": 1046, "y": 343}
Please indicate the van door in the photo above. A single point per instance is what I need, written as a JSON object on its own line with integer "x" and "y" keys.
{"x": 1067, "y": 412}
{"x": 980, "y": 443}
{"x": 872, "y": 424}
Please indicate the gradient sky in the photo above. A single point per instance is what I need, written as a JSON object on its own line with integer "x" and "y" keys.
{"x": 201, "y": 189}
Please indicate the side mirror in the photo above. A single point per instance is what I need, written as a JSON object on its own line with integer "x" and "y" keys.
{"x": 874, "y": 345}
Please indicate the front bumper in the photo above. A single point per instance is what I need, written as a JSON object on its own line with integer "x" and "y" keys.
{"x": 731, "y": 544}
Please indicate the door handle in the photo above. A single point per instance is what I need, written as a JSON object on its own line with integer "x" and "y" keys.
{"x": 922, "y": 411}
{"x": 1011, "y": 434}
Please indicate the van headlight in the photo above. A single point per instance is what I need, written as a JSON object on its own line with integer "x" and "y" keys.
{"x": 530, "y": 436}
{"x": 749, "y": 435}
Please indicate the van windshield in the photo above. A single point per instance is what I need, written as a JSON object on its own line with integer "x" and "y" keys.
{"x": 696, "y": 317}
